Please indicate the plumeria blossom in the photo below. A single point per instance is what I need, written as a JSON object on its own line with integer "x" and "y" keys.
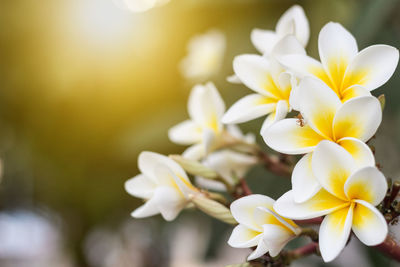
{"x": 230, "y": 165}
{"x": 260, "y": 226}
{"x": 271, "y": 83}
{"x": 348, "y": 200}
{"x": 140, "y": 5}
{"x": 205, "y": 55}
{"x": 205, "y": 107}
{"x": 163, "y": 184}
{"x": 343, "y": 68}
{"x": 325, "y": 117}
{"x": 292, "y": 22}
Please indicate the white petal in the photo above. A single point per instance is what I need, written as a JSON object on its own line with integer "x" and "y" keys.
{"x": 318, "y": 105}
{"x": 140, "y": 186}
{"x": 372, "y": 67}
{"x": 230, "y": 164}
{"x": 303, "y": 65}
{"x": 332, "y": 165}
{"x": 195, "y": 152}
{"x": 334, "y": 233}
{"x": 360, "y": 151}
{"x": 248, "y": 108}
{"x": 259, "y": 251}
{"x": 148, "y": 209}
{"x": 210, "y": 184}
{"x": 288, "y": 45}
{"x": 263, "y": 40}
{"x": 148, "y": 161}
{"x": 233, "y": 79}
{"x": 243, "y": 237}
{"x": 282, "y": 109}
{"x": 320, "y": 204}
{"x": 367, "y": 184}
{"x": 337, "y": 48}
{"x": 243, "y": 209}
{"x": 181, "y": 185}
{"x": 275, "y": 238}
{"x": 294, "y": 21}
{"x": 235, "y": 131}
{"x": 359, "y": 118}
{"x": 287, "y": 136}
{"x": 255, "y": 72}
{"x": 369, "y": 225}
{"x": 209, "y": 140}
{"x": 304, "y": 183}
{"x": 205, "y": 105}
{"x": 185, "y": 133}
{"x": 169, "y": 202}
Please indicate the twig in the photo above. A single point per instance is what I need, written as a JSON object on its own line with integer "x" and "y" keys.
{"x": 274, "y": 164}
{"x": 311, "y": 248}
{"x": 317, "y": 220}
{"x": 390, "y": 248}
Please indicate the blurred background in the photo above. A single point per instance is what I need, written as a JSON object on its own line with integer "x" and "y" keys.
{"x": 85, "y": 86}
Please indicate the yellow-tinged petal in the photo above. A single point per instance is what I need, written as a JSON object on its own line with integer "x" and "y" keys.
{"x": 359, "y": 118}
{"x": 360, "y": 152}
{"x": 354, "y": 91}
{"x": 318, "y": 105}
{"x": 372, "y": 66}
{"x": 320, "y": 204}
{"x": 304, "y": 183}
{"x": 291, "y": 136}
{"x": 332, "y": 165}
{"x": 369, "y": 225}
{"x": 243, "y": 237}
{"x": 334, "y": 232}
{"x": 366, "y": 184}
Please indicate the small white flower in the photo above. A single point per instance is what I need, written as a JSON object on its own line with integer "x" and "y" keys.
{"x": 259, "y": 226}
{"x": 347, "y": 198}
{"x": 325, "y": 117}
{"x": 204, "y": 128}
{"x": 342, "y": 67}
{"x": 292, "y": 22}
{"x": 205, "y": 55}
{"x": 140, "y": 5}
{"x": 230, "y": 165}
{"x": 163, "y": 183}
{"x": 270, "y": 82}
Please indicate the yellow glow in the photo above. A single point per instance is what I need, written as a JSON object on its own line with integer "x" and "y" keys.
{"x": 305, "y": 136}
{"x": 324, "y": 200}
{"x": 363, "y": 216}
{"x": 337, "y": 220}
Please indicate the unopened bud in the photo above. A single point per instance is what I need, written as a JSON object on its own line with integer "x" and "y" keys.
{"x": 213, "y": 208}
{"x": 194, "y": 167}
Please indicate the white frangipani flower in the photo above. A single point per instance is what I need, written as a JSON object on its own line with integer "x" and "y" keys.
{"x": 348, "y": 198}
{"x": 342, "y": 67}
{"x": 230, "y": 165}
{"x": 163, "y": 183}
{"x": 260, "y": 226}
{"x": 204, "y": 128}
{"x": 325, "y": 117}
{"x": 270, "y": 82}
{"x": 292, "y": 22}
{"x": 205, "y": 55}
{"x": 140, "y": 5}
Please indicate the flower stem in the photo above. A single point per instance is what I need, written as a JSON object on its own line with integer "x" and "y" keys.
{"x": 311, "y": 233}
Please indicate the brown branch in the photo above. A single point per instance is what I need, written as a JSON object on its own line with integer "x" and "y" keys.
{"x": 390, "y": 248}
{"x": 242, "y": 189}
{"x": 311, "y": 248}
{"x": 275, "y": 165}
{"x": 317, "y": 220}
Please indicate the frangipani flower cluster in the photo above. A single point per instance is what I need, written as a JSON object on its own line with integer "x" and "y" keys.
{"x": 332, "y": 117}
